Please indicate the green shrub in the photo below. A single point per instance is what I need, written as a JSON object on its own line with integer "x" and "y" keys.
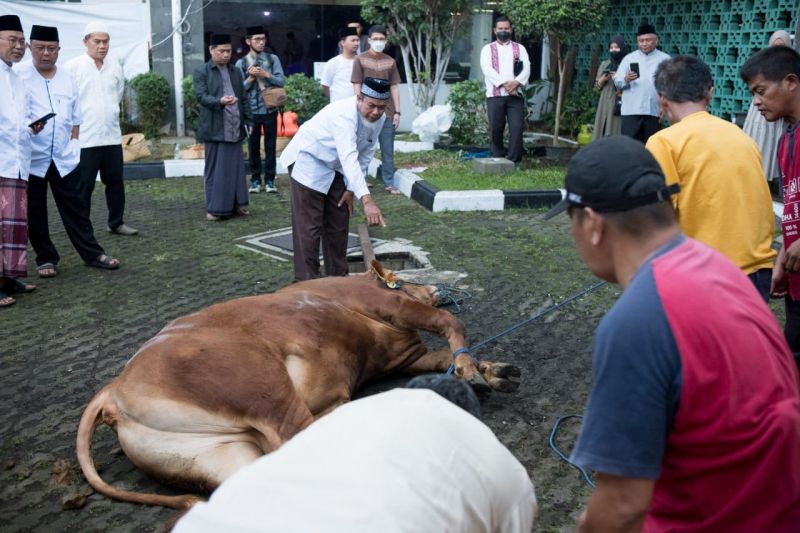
{"x": 580, "y": 107}
{"x": 191, "y": 107}
{"x": 304, "y": 96}
{"x": 470, "y": 119}
{"x": 152, "y": 101}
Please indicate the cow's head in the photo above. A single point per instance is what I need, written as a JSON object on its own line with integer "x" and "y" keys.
{"x": 428, "y": 294}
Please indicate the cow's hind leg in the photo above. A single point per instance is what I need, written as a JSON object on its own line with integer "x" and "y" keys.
{"x": 499, "y": 375}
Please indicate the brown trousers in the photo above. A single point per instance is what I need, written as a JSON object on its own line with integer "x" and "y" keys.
{"x": 315, "y": 218}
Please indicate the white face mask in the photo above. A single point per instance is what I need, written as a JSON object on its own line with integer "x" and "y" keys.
{"x": 378, "y": 46}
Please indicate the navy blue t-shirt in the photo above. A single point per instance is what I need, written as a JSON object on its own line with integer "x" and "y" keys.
{"x": 636, "y": 374}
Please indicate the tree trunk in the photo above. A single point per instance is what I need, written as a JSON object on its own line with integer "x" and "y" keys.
{"x": 559, "y": 95}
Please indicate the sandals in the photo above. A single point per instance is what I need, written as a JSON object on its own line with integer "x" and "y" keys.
{"x": 47, "y": 270}
{"x": 242, "y": 211}
{"x": 106, "y": 262}
{"x": 212, "y": 218}
{"x": 6, "y": 300}
{"x": 16, "y": 286}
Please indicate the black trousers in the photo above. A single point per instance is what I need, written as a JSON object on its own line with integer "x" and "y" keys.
{"x": 502, "y": 110}
{"x": 640, "y": 127}
{"x": 791, "y": 329}
{"x": 317, "y": 217}
{"x": 269, "y": 123}
{"x": 108, "y": 161}
{"x": 74, "y": 215}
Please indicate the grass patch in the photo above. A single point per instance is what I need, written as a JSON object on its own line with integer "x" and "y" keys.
{"x": 448, "y": 171}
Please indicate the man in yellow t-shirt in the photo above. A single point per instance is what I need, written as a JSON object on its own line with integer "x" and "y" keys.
{"x": 724, "y": 201}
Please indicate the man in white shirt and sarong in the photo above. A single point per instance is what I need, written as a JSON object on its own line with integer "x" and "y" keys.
{"x": 101, "y": 84}
{"x": 55, "y": 157}
{"x": 327, "y": 161}
{"x": 15, "y": 157}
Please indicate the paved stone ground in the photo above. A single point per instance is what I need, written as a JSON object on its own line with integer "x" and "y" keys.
{"x": 62, "y": 343}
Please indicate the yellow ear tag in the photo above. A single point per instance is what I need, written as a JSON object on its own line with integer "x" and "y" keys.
{"x": 392, "y": 284}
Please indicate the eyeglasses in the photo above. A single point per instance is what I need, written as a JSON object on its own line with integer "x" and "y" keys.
{"x": 14, "y": 41}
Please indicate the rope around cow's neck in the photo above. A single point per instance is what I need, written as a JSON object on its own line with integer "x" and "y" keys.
{"x": 515, "y": 327}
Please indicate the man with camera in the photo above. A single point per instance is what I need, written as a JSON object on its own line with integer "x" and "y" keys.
{"x": 262, "y": 73}
{"x": 636, "y": 78}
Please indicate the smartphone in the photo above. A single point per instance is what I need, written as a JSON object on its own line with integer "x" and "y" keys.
{"x": 42, "y": 120}
{"x": 635, "y": 68}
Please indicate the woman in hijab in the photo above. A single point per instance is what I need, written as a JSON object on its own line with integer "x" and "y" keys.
{"x": 607, "y": 121}
{"x": 767, "y": 134}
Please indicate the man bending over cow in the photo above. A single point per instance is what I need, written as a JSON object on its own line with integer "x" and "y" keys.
{"x": 404, "y": 460}
{"x": 693, "y": 422}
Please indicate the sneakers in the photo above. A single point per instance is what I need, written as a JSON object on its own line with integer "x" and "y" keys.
{"x": 123, "y": 229}
{"x": 271, "y": 187}
{"x": 254, "y": 188}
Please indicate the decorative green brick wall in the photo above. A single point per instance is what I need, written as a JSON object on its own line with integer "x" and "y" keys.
{"x": 723, "y": 33}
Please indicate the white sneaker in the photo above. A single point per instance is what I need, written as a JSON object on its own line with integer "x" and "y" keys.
{"x": 254, "y": 188}
{"x": 271, "y": 187}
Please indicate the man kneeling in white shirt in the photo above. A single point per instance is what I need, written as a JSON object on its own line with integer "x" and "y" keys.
{"x": 404, "y": 460}
{"x": 327, "y": 161}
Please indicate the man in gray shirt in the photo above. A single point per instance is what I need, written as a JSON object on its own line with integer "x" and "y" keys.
{"x": 636, "y": 78}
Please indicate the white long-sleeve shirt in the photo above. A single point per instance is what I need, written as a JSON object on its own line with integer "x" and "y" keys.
{"x": 399, "y": 461}
{"x": 100, "y": 93}
{"x": 15, "y": 137}
{"x": 505, "y": 56}
{"x": 639, "y": 97}
{"x": 58, "y": 95}
{"x": 334, "y": 140}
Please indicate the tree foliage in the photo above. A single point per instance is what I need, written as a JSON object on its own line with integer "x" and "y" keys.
{"x": 152, "y": 101}
{"x": 191, "y": 107}
{"x": 565, "y": 23}
{"x": 424, "y": 30}
{"x": 304, "y": 97}
{"x": 470, "y": 120}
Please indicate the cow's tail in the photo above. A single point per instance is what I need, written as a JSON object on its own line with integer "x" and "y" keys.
{"x": 101, "y": 410}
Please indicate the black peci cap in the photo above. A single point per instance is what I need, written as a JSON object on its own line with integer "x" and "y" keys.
{"x": 44, "y": 33}
{"x": 376, "y": 88}
{"x": 613, "y": 174}
{"x": 220, "y": 38}
{"x": 645, "y": 28}
{"x": 10, "y": 23}
{"x": 255, "y": 30}
{"x": 347, "y": 32}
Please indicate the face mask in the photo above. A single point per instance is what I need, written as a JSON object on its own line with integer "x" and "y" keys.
{"x": 378, "y": 46}
{"x": 503, "y": 36}
{"x": 617, "y": 56}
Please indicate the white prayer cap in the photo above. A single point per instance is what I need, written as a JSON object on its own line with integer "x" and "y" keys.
{"x": 95, "y": 27}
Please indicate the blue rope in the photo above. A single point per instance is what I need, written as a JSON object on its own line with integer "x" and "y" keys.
{"x": 561, "y": 454}
{"x": 531, "y": 319}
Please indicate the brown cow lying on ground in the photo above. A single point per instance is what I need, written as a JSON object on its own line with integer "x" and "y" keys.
{"x": 213, "y": 391}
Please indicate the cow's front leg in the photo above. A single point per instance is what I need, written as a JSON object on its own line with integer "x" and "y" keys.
{"x": 499, "y": 375}
{"x": 440, "y": 361}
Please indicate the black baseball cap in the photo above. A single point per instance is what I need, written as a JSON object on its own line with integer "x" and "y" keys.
{"x": 611, "y": 175}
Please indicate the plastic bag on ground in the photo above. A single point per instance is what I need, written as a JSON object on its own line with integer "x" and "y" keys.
{"x": 431, "y": 123}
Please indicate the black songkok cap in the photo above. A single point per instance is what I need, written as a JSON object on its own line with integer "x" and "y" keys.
{"x": 645, "y": 28}
{"x": 347, "y": 32}
{"x": 10, "y": 23}
{"x": 598, "y": 178}
{"x": 220, "y": 38}
{"x": 44, "y": 33}
{"x": 376, "y": 88}
{"x": 255, "y": 30}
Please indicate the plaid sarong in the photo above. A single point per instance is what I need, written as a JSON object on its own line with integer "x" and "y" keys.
{"x": 13, "y": 228}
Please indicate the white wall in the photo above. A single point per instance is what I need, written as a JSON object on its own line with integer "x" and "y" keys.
{"x": 128, "y": 21}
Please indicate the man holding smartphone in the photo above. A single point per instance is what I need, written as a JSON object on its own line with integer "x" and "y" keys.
{"x": 635, "y": 77}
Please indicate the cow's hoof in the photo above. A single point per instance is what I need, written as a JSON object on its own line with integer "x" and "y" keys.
{"x": 478, "y": 384}
{"x": 498, "y": 375}
{"x": 503, "y": 385}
